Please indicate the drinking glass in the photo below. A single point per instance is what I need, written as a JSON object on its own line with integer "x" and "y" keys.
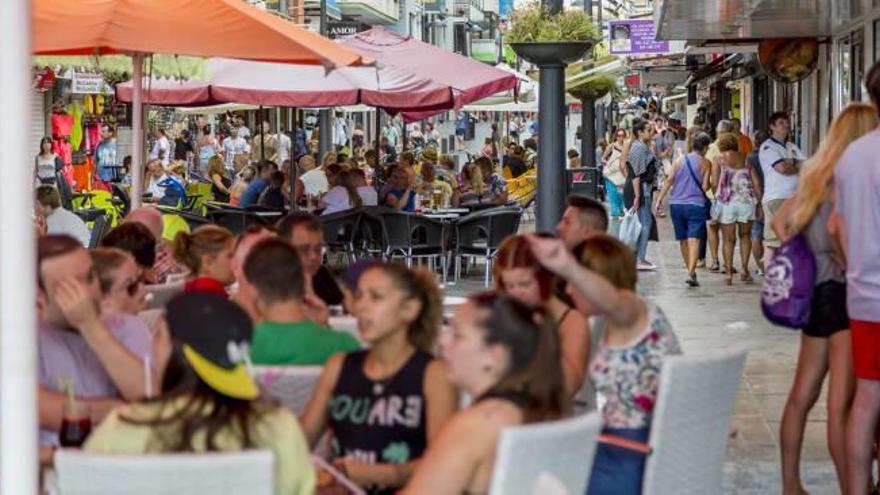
{"x": 76, "y": 424}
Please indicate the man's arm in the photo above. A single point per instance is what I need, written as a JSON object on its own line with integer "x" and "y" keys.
{"x": 787, "y": 166}
{"x": 124, "y": 368}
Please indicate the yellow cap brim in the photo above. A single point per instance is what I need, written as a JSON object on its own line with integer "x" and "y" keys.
{"x": 236, "y": 383}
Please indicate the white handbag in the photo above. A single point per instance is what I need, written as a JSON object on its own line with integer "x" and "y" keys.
{"x": 630, "y": 228}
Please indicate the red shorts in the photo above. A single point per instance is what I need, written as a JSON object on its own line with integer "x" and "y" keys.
{"x": 866, "y": 349}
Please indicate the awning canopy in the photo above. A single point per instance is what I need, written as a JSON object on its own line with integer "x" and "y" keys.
{"x": 470, "y": 80}
{"x": 751, "y": 19}
{"x": 610, "y": 65}
{"x": 291, "y": 85}
{"x": 205, "y": 28}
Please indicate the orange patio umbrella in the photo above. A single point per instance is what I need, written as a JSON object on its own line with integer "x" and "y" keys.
{"x": 208, "y": 28}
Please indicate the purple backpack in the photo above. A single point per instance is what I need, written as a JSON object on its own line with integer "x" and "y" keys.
{"x": 787, "y": 292}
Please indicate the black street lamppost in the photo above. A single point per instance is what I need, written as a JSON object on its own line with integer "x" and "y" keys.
{"x": 551, "y": 58}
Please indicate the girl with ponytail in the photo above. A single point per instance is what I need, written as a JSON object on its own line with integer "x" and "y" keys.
{"x": 207, "y": 252}
{"x": 385, "y": 404}
{"x": 506, "y": 355}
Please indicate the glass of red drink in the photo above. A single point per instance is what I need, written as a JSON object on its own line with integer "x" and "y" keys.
{"x": 75, "y": 425}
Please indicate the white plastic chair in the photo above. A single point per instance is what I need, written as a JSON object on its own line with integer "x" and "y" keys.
{"x": 691, "y": 424}
{"x": 533, "y": 457}
{"x": 292, "y": 386}
{"x": 234, "y": 473}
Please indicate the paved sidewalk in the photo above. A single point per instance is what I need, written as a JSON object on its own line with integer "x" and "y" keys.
{"x": 715, "y": 317}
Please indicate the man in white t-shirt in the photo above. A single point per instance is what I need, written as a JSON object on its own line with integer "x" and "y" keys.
{"x": 314, "y": 179}
{"x": 780, "y": 161}
{"x": 161, "y": 147}
{"x": 155, "y": 174}
{"x": 59, "y": 220}
{"x": 284, "y": 145}
{"x": 234, "y": 146}
{"x": 856, "y": 226}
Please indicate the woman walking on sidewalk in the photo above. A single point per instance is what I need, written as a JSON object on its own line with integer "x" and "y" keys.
{"x": 737, "y": 191}
{"x": 825, "y": 342}
{"x": 688, "y": 181}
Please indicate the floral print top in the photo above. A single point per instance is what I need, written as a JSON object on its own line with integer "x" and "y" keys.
{"x": 627, "y": 377}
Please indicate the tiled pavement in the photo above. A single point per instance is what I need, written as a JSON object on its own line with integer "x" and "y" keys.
{"x": 714, "y": 317}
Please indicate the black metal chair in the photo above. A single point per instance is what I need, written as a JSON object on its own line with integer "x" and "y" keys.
{"x": 479, "y": 235}
{"x": 192, "y": 219}
{"x": 413, "y": 237}
{"x": 340, "y": 231}
{"x": 370, "y": 236}
{"x": 235, "y": 220}
{"x": 100, "y": 227}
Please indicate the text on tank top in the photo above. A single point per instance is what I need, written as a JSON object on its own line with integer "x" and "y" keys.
{"x": 380, "y": 421}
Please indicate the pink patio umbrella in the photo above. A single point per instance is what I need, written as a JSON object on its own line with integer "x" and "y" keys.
{"x": 273, "y": 84}
{"x": 469, "y": 79}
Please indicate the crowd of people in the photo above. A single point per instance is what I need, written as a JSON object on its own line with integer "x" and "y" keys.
{"x": 177, "y": 378}
{"x": 402, "y": 398}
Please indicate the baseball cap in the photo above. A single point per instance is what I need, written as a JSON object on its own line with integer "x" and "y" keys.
{"x": 216, "y": 335}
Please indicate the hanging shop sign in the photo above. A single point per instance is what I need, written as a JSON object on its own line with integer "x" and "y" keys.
{"x": 336, "y": 30}
{"x": 88, "y": 83}
{"x": 635, "y": 37}
{"x": 44, "y": 79}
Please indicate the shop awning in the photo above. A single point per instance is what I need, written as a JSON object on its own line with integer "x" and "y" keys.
{"x": 291, "y": 85}
{"x": 470, "y": 80}
{"x": 726, "y": 20}
{"x": 717, "y": 67}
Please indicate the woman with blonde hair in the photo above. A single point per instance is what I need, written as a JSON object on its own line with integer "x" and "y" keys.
{"x": 825, "y": 341}
{"x": 472, "y": 186}
{"x": 220, "y": 184}
{"x": 245, "y": 177}
{"x": 207, "y": 252}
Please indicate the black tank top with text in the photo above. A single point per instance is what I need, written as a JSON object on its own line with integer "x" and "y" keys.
{"x": 380, "y": 421}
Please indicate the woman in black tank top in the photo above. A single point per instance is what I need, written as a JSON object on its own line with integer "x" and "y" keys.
{"x": 384, "y": 405}
{"x": 497, "y": 351}
{"x": 519, "y": 275}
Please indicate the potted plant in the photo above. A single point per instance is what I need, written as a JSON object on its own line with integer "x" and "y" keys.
{"x": 595, "y": 87}
{"x": 541, "y": 37}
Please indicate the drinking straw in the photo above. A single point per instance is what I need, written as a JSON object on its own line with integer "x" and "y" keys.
{"x": 148, "y": 378}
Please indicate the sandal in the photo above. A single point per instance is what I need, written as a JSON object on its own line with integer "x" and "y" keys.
{"x": 716, "y": 267}
{"x": 745, "y": 277}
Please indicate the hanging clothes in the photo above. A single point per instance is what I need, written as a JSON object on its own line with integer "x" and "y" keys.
{"x": 62, "y": 124}
{"x": 76, "y": 132}
{"x": 62, "y": 148}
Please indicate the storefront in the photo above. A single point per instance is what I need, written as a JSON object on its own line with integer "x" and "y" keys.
{"x": 69, "y": 106}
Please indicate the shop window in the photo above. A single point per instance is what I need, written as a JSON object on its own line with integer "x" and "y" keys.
{"x": 844, "y": 71}
{"x": 857, "y": 56}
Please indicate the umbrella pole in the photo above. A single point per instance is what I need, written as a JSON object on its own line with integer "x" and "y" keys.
{"x": 262, "y": 137}
{"x": 137, "y": 131}
{"x": 377, "y": 173}
{"x": 18, "y": 342}
{"x": 294, "y": 162}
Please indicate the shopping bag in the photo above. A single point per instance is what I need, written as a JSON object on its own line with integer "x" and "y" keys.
{"x": 630, "y": 228}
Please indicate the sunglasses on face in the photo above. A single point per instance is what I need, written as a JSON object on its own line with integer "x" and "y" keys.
{"x": 131, "y": 288}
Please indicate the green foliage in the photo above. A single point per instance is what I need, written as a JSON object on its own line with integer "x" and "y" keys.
{"x": 533, "y": 23}
{"x": 596, "y": 87}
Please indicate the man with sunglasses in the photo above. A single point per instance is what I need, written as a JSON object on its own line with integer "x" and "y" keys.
{"x": 97, "y": 358}
{"x": 303, "y": 231}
